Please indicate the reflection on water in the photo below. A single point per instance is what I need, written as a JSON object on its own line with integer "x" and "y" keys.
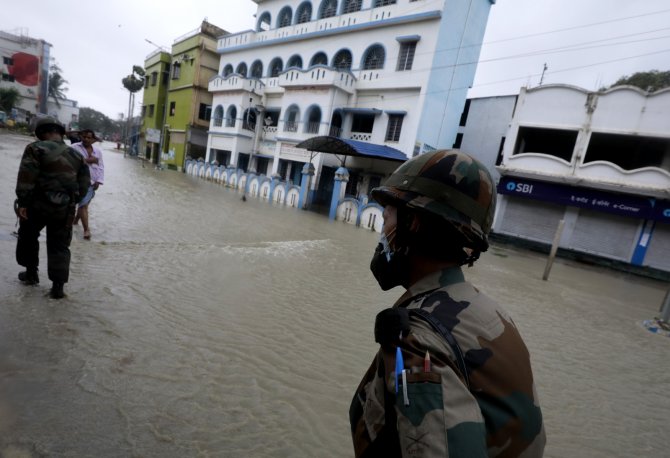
{"x": 197, "y": 324}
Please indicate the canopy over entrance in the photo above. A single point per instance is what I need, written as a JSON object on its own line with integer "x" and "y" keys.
{"x": 347, "y": 147}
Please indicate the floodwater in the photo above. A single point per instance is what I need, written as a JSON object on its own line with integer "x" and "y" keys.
{"x": 197, "y": 324}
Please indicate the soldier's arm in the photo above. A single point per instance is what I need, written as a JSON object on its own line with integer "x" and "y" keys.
{"x": 439, "y": 417}
{"x": 29, "y": 169}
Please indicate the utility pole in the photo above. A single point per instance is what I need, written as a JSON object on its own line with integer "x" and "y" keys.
{"x": 543, "y": 70}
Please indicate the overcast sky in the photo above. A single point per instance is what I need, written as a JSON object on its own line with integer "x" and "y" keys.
{"x": 588, "y": 43}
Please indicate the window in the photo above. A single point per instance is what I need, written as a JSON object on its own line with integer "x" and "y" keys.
{"x": 173, "y": 107}
{"x": 264, "y": 22}
{"x": 553, "y": 142}
{"x": 151, "y": 110}
{"x": 464, "y": 114}
{"x": 328, "y": 9}
{"x": 294, "y": 61}
{"x": 291, "y": 120}
{"x": 384, "y": 2}
{"x": 394, "y": 127}
{"x": 249, "y": 119}
{"x": 373, "y": 58}
{"x": 406, "y": 55}
{"x": 176, "y": 71}
{"x": 304, "y": 13}
{"x": 165, "y": 76}
{"x": 242, "y": 69}
{"x": 458, "y": 141}
{"x": 146, "y": 83}
{"x": 257, "y": 69}
{"x": 629, "y": 152}
{"x": 230, "y": 116}
{"x": 7, "y": 77}
{"x": 7, "y": 61}
{"x": 205, "y": 112}
{"x": 313, "y": 120}
{"x": 363, "y": 123}
{"x": 284, "y": 18}
{"x": 144, "y": 110}
{"x": 227, "y": 70}
{"x": 319, "y": 58}
{"x": 218, "y": 116}
{"x": 276, "y": 67}
{"x": 154, "y": 78}
{"x": 351, "y": 6}
{"x": 342, "y": 60}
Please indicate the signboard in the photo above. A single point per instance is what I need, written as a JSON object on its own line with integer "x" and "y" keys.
{"x": 153, "y": 135}
{"x": 618, "y": 204}
{"x": 662, "y": 211}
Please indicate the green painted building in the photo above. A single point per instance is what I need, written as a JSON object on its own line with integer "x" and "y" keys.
{"x": 194, "y": 60}
{"x": 157, "y": 68}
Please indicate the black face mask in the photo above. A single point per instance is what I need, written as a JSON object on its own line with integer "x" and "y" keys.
{"x": 389, "y": 268}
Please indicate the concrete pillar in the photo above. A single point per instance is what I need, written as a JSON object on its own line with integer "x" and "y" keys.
{"x": 276, "y": 178}
{"x": 307, "y": 174}
{"x": 339, "y": 187}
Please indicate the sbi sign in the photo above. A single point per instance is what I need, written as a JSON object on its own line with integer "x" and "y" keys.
{"x": 666, "y": 212}
{"x": 523, "y": 188}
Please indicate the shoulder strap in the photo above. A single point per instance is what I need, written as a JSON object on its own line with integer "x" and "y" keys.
{"x": 448, "y": 336}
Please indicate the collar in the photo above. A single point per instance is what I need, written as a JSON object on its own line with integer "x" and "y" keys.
{"x": 431, "y": 282}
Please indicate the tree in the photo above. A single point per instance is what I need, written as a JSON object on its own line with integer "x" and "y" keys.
{"x": 57, "y": 84}
{"x": 98, "y": 122}
{"x": 650, "y": 81}
{"x": 134, "y": 83}
{"x": 8, "y": 98}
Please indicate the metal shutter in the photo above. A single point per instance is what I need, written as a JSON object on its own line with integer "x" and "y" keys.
{"x": 658, "y": 252}
{"x": 531, "y": 219}
{"x": 611, "y": 236}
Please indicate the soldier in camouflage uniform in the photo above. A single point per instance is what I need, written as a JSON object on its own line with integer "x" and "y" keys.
{"x": 452, "y": 377}
{"x": 52, "y": 179}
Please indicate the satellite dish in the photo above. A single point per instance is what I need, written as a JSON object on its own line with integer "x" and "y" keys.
{"x": 268, "y": 120}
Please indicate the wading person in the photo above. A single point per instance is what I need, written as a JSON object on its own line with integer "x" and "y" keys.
{"x": 93, "y": 157}
{"x": 52, "y": 177}
{"x": 452, "y": 377}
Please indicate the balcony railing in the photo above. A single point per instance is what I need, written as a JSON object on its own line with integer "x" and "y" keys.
{"x": 335, "y": 131}
{"x": 290, "y": 126}
{"x": 312, "y": 127}
{"x": 362, "y": 136}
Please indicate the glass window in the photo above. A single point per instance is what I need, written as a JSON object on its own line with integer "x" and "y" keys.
{"x": 294, "y": 61}
{"x": 406, "y": 55}
{"x": 227, "y": 70}
{"x": 176, "y": 71}
{"x": 304, "y": 13}
{"x": 351, "y": 6}
{"x": 242, "y": 69}
{"x": 319, "y": 58}
{"x": 230, "y": 116}
{"x": 328, "y": 9}
{"x": 257, "y": 69}
{"x": 284, "y": 18}
{"x": 218, "y": 116}
{"x": 394, "y": 127}
{"x": 374, "y": 58}
{"x": 342, "y": 60}
{"x": 276, "y": 67}
{"x": 205, "y": 112}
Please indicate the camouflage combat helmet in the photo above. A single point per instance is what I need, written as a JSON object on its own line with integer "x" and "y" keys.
{"x": 448, "y": 184}
{"x": 43, "y": 123}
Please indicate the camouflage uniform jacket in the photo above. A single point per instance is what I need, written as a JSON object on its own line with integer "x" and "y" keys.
{"x": 51, "y": 176}
{"x": 498, "y": 415}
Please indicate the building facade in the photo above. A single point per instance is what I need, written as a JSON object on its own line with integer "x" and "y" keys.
{"x": 391, "y": 73}
{"x": 194, "y": 61}
{"x": 154, "y": 103}
{"x": 598, "y": 161}
{"x": 25, "y": 67}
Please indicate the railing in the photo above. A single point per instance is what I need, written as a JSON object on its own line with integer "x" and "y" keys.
{"x": 364, "y": 137}
{"x": 313, "y": 127}
{"x": 335, "y": 131}
{"x": 290, "y": 126}
{"x": 249, "y": 125}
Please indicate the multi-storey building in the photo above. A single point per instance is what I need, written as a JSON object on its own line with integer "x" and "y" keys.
{"x": 392, "y": 73}
{"x": 25, "y": 67}
{"x": 194, "y": 61}
{"x": 154, "y": 102}
{"x": 598, "y": 161}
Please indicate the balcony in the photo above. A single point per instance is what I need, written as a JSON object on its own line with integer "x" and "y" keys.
{"x": 318, "y": 77}
{"x": 234, "y": 82}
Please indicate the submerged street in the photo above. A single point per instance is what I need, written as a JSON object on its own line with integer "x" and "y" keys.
{"x": 198, "y": 324}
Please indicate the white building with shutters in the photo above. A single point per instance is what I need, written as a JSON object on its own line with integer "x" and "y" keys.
{"x": 599, "y": 161}
{"x": 387, "y": 72}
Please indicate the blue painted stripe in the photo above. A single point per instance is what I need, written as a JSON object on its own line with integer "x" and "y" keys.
{"x": 437, "y": 14}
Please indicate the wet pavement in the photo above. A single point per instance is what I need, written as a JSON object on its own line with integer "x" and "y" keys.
{"x": 196, "y": 324}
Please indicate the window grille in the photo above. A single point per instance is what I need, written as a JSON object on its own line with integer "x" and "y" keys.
{"x": 342, "y": 60}
{"x": 227, "y": 70}
{"x": 284, "y": 17}
{"x": 257, "y": 69}
{"x": 242, "y": 69}
{"x": 394, "y": 127}
{"x": 374, "y": 58}
{"x": 319, "y": 59}
{"x": 379, "y": 3}
{"x": 351, "y": 6}
{"x": 294, "y": 61}
{"x": 328, "y": 9}
{"x": 276, "y": 67}
{"x": 406, "y": 55}
{"x": 304, "y": 13}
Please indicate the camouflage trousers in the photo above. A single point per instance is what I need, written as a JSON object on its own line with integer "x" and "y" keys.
{"x": 59, "y": 235}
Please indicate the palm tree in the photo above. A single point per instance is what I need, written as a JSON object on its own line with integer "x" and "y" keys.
{"x": 134, "y": 83}
{"x": 57, "y": 84}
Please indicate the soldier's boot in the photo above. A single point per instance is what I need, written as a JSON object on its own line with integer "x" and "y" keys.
{"x": 57, "y": 290}
{"x": 29, "y": 276}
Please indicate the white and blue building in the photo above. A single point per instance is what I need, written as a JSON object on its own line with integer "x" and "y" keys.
{"x": 387, "y": 79}
{"x": 599, "y": 161}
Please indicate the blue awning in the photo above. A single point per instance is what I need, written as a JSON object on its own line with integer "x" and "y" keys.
{"x": 347, "y": 147}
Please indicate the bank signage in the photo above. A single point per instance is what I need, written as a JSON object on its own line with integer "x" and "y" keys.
{"x": 662, "y": 211}
{"x": 619, "y": 204}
